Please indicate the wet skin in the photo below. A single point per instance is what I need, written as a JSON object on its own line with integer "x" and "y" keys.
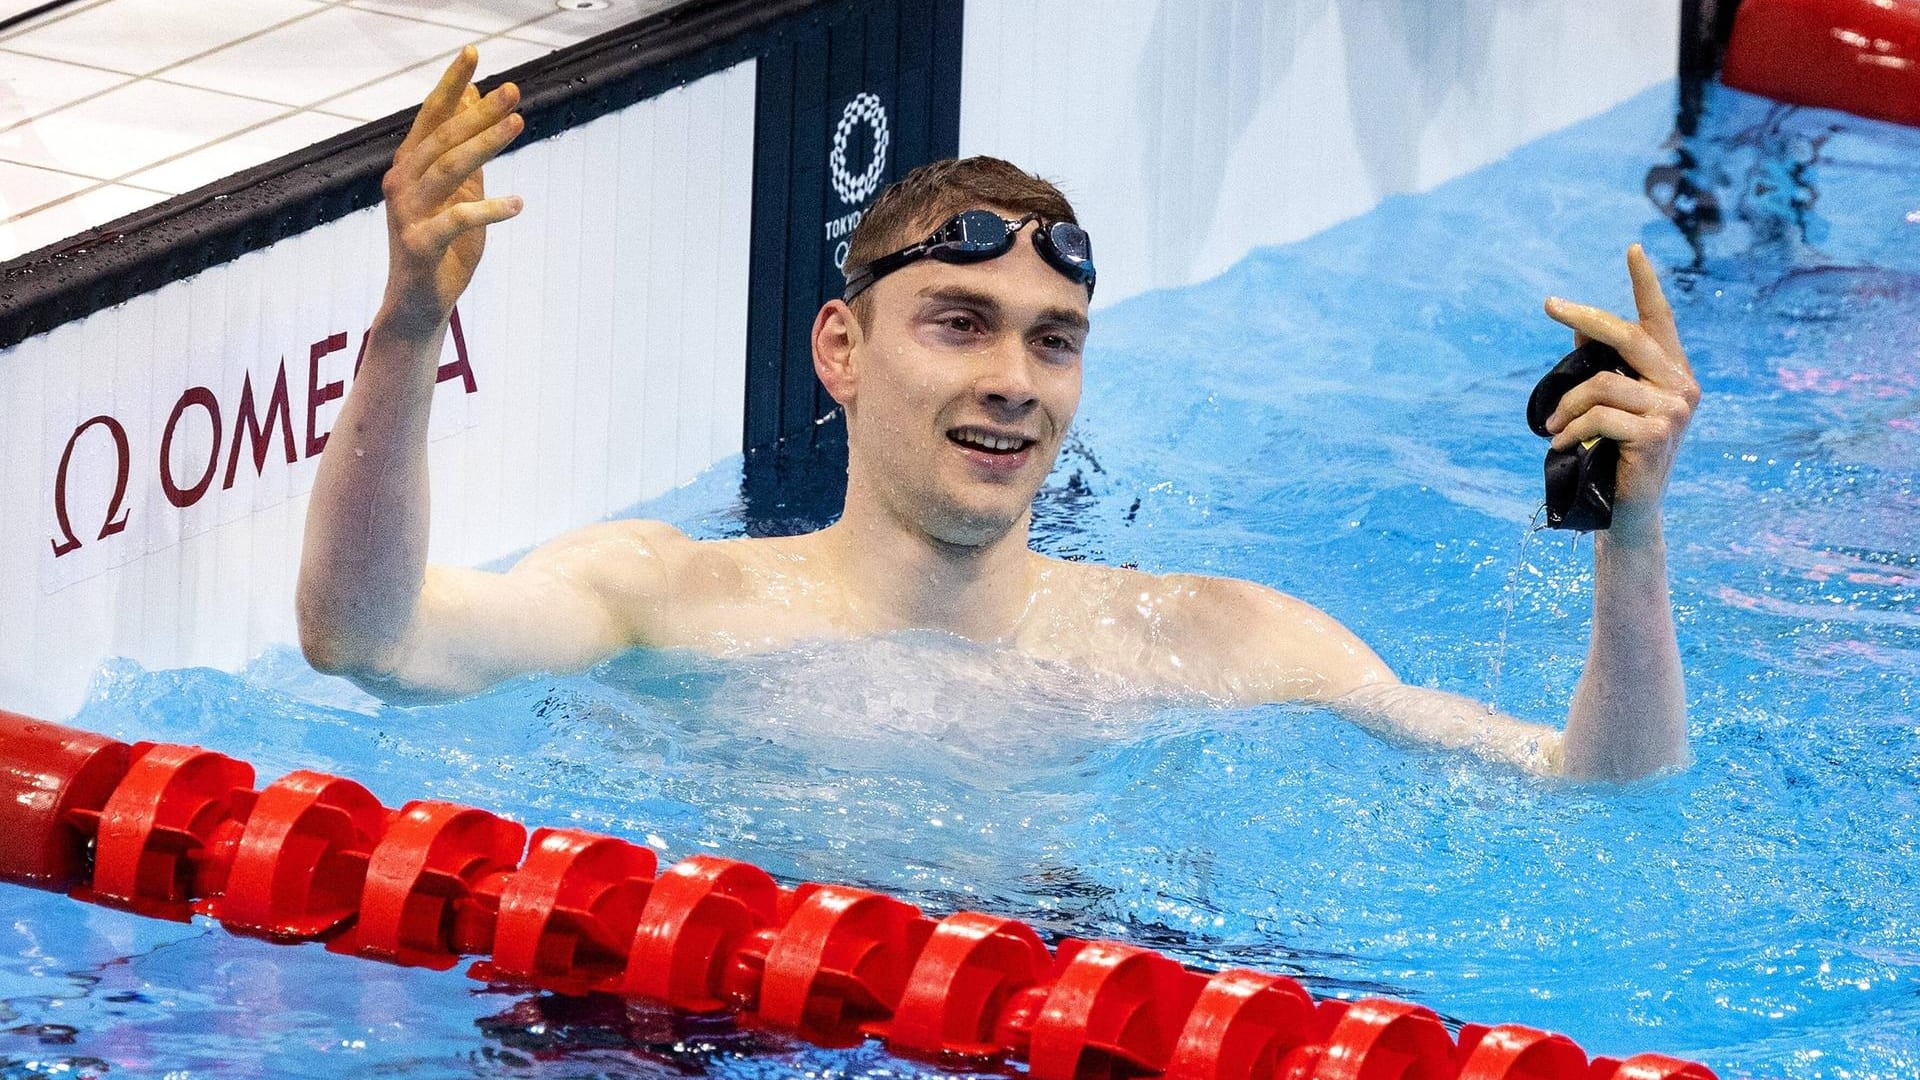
{"x": 959, "y": 385}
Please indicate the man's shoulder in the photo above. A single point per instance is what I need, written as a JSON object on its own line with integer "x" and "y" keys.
{"x": 1247, "y": 609}
{"x": 1234, "y": 640}
{"x": 663, "y": 587}
{"x": 1281, "y": 647}
{"x": 1193, "y": 594}
{"x": 1235, "y": 613}
{"x": 609, "y": 543}
{"x": 1203, "y": 602}
{"x": 636, "y": 545}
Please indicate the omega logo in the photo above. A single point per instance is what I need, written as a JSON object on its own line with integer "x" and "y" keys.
{"x": 256, "y": 430}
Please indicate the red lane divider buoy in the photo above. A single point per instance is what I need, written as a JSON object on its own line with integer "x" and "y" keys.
{"x": 51, "y": 779}
{"x": 840, "y": 960}
{"x": 1242, "y": 1025}
{"x": 699, "y": 913}
{"x": 969, "y": 968}
{"x": 1512, "y": 1052}
{"x": 1113, "y": 1010}
{"x": 567, "y": 915}
{"x": 302, "y": 860}
{"x": 166, "y": 835}
{"x": 1376, "y": 1039}
{"x": 433, "y": 885}
{"x": 1649, "y": 1067}
{"x": 170, "y": 831}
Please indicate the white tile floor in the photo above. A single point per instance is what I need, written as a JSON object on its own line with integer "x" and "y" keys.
{"x": 108, "y": 106}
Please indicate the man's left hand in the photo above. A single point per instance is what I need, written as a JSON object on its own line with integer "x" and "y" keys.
{"x": 1647, "y": 416}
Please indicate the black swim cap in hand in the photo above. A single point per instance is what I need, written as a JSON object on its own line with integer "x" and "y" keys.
{"x": 1579, "y": 478}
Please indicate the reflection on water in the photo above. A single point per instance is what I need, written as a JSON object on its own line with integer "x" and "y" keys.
{"x": 1341, "y": 418}
{"x": 1746, "y": 193}
{"x": 608, "y": 1032}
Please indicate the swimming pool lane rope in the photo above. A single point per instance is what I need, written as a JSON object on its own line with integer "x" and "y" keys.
{"x": 174, "y": 831}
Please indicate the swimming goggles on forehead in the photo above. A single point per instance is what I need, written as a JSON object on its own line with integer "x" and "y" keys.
{"x": 978, "y": 235}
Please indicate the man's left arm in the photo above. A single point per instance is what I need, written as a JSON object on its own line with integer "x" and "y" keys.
{"x": 1263, "y": 646}
{"x": 1629, "y": 713}
{"x": 1628, "y": 716}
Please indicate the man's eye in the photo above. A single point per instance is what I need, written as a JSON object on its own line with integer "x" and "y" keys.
{"x": 1057, "y": 343}
{"x": 965, "y": 324}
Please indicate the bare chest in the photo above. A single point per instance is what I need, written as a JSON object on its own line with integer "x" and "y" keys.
{"x": 1119, "y": 624}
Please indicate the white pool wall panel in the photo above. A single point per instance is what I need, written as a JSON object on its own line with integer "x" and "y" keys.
{"x": 606, "y": 334}
{"x": 1188, "y": 134}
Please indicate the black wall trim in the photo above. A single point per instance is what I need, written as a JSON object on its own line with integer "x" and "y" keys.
{"x": 871, "y": 89}
{"x": 253, "y": 209}
{"x": 851, "y": 102}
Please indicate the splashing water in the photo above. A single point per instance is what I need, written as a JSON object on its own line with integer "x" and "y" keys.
{"x": 1498, "y": 663}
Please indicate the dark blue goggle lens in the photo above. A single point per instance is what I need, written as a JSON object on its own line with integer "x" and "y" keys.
{"x": 979, "y": 234}
{"x": 1071, "y": 250}
{"x": 1071, "y": 241}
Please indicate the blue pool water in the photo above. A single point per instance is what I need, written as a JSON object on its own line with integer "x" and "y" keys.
{"x": 1340, "y": 418}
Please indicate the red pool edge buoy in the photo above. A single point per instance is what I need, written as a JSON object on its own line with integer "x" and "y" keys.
{"x": 170, "y": 831}
{"x": 1862, "y": 56}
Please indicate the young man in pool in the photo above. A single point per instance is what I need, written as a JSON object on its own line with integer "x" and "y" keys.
{"x": 956, "y": 356}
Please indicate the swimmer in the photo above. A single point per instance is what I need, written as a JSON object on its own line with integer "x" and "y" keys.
{"x": 956, "y": 355}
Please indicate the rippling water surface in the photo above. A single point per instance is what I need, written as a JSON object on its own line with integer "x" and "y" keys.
{"x": 1340, "y": 418}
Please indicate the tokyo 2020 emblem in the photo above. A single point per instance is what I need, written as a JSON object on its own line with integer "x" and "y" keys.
{"x": 853, "y": 190}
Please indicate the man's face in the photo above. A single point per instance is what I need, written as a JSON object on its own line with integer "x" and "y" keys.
{"x": 963, "y": 388}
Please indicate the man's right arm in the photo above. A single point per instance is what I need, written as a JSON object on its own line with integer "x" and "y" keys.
{"x": 370, "y": 607}
{"x": 566, "y": 606}
{"x": 373, "y": 610}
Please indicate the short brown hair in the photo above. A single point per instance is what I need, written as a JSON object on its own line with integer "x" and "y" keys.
{"x": 918, "y": 202}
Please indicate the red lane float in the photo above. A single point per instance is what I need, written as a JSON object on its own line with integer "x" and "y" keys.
{"x": 433, "y": 884}
{"x": 302, "y": 861}
{"x": 695, "y": 920}
{"x": 567, "y": 916}
{"x": 971, "y": 965}
{"x": 839, "y": 961}
{"x": 1859, "y": 55}
{"x": 1519, "y": 1053}
{"x": 1113, "y": 1010}
{"x": 1387, "y": 1040}
{"x": 167, "y": 834}
{"x": 49, "y": 777}
{"x": 1242, "y": 1026}
{"x": 170, "y": 831}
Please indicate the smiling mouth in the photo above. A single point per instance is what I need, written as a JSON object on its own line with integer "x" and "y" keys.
{"x": 988, "y": 442}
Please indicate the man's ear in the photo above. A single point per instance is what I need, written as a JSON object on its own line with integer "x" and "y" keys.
{"x": 836, "y": 333}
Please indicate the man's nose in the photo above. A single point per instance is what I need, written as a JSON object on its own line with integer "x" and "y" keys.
{"x": 1006, "y": 380}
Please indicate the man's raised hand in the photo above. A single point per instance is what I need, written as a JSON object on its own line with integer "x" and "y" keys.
{"x": 1647, "y": 416}
{"x": 437, "y": 205}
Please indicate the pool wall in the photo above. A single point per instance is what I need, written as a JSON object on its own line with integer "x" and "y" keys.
{"x": 1188, "y": 135}
{"x": 167, "y": 381}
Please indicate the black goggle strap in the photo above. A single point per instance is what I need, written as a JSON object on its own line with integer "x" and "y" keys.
{"x": 951, "y": 234}
{"x": 862, "y": 279}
